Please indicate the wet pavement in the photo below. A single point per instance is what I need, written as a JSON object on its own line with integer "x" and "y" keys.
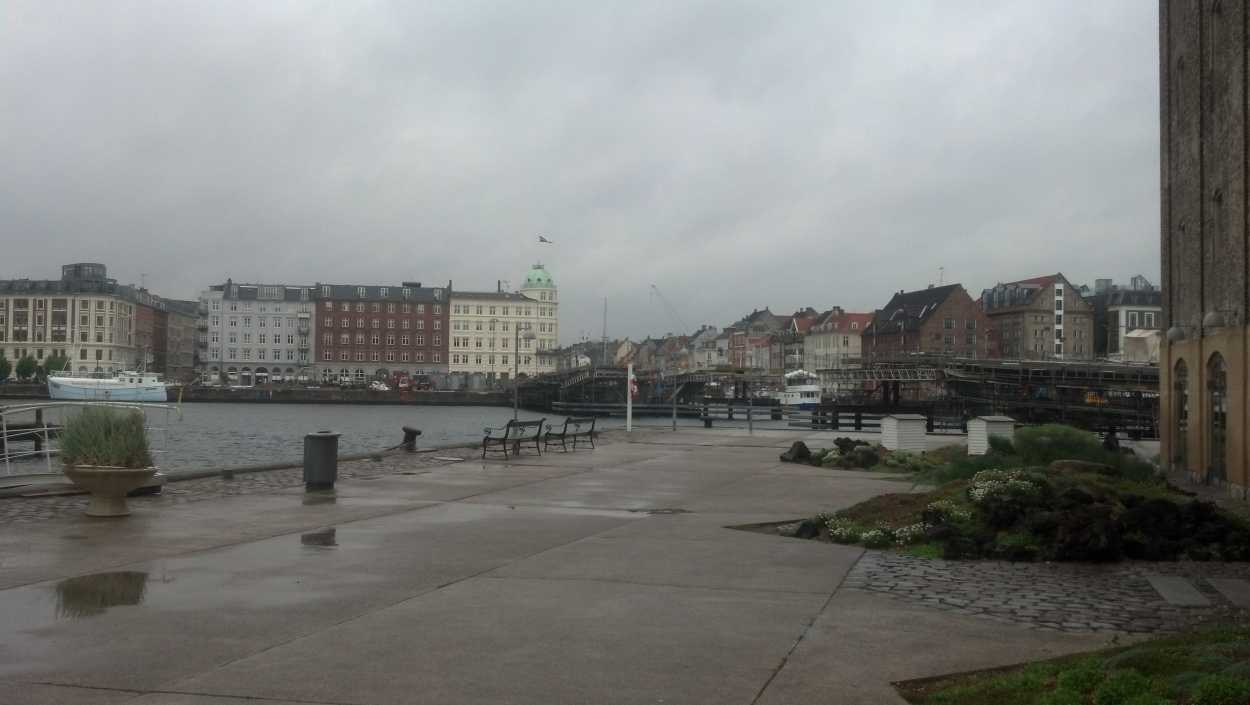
{"x": 596, "y": 576}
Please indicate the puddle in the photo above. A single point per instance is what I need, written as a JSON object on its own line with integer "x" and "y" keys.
{"x": 321, "y": 537}
{"x": 91, "y": 595}
{"x": 662, "y": 511}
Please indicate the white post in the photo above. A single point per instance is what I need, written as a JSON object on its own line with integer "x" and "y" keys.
{"x": 629, "y": 399}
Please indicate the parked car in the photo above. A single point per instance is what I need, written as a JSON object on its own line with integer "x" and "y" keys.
{"x": 378, "y": 386}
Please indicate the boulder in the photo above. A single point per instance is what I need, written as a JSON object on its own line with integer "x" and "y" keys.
{"x": 798, "y": 453}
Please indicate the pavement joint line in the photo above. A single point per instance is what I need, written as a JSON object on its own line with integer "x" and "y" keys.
{"x": 380, "y": 608}
{"x": 802, "y": 635}
{"x": 385, "y": 512}
{"x": 141, "y": 693}
{"x": 642, "y": 583}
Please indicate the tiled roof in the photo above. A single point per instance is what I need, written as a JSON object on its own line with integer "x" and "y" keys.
{"x": 375, "y": 292}
{"x": 909, "y": 309}
{"x": 493, "y": 296}
{"x": 1134, "y": 297}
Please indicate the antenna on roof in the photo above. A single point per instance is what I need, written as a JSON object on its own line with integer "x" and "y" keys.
{"x": 941, "y": 275}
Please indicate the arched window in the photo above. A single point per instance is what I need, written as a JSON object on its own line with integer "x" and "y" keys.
{"x": 1217, "y": 395}
{"x": 1180, "y": 417}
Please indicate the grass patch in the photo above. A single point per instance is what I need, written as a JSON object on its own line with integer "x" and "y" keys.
{"x": 1170, "y": 671}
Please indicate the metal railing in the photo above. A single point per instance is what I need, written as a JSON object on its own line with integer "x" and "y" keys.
{"x": 40, "y": 431}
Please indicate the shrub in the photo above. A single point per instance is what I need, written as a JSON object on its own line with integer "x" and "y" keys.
{"x": 1121, "y": 687}
{"x": 877, "y": 538}
{"x": 1061, "y": 697}
{"x": 1040, "y": 445}
{"x": 106, "y": 437}
{"x": 1220, "y": 689}
{"x": 845, "y": 445}
{"x": 1002, "y": 445}
{"x": 1148, "y": 699}
{"x": 1081, "y": 678}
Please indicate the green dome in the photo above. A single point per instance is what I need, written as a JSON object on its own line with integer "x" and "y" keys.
{"x": 538, "y": 278}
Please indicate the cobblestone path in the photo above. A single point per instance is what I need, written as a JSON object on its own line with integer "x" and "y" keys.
{"x": 1065, "y": 597}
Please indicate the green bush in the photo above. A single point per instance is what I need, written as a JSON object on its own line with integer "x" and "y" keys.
{"x": 106, "y": 437}
{"x": 1121, "y": 687}
{"x": 1041, "y": 445}
{"x": 1220, "y": 689}
{"x": 1061, "y": 697}
{"x": 1002, "y": 445}
{"x": 1081, "y": 678}
{"x": 1148, "y": 699}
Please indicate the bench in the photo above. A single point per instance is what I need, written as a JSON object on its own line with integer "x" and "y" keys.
{"x": 513, "y": 435}
{"x": 574, "y": 428}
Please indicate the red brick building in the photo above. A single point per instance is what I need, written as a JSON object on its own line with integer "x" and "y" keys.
{"x": 378, "y": 332}
{"x": 941, "y": 320}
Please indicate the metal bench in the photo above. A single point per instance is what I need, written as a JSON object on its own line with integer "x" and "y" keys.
{"x": 574, "y": 428}
{"x": 513, "y": 435}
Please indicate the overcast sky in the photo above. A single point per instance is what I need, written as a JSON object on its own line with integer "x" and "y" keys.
{"x": 734, "y": 154}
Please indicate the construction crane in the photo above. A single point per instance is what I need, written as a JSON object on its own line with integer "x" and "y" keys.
{"x": 682, "y": 329}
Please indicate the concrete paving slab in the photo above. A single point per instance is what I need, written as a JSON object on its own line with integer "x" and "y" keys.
{"x": 718, "y": 558}
{"x": 862, "y": 643}
{"x": 615, "y": 488}
{"x": 792, "y": 496}
{"x": 250, "y": 597}
{"x": 1235, "y": 590}
{"x": 535, "y": 641}
{"x": 1178, "y": 591}
{"x": 40, "y": 694}
{"x": 184, "y": 699}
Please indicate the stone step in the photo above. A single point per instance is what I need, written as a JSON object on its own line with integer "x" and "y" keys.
{"x": 1178, "y": 591}
{"x": 1235, "y": 590}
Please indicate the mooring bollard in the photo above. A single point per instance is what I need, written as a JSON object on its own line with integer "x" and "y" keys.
{"x": 321, "y": 460}
{"x": 410, "y": 439}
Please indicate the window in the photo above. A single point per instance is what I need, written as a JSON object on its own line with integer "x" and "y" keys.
{"x": 1058, "y": 319}
{"x": 438, "y": 311}
{"x": 345, "y": 355}
{"x": 403, "y": 340}
{"x": 327, "y": 355}
{"x": 390, "y": 338}
{"x": 360, "y": 308}
{"x": 345, "y": 307}
{"x": 360, "y": 356}
{"x": 390, "y": 356}
{"x": 1058, "y": 304}
{"x": 390, "y": 324}
{"x": 382, "y": 293}
{"x": 438, "y": 340}
{"x": 420, "y": 341}
{"x": 376, "y": 307}
{"x": 1217, "y": 413}
{"x": 1132, "y": 320}
{"x": 420, "y": 357}
{"x": 948, "y": 324}
{"x": 404, "y": 356}
{"x": 479, "y": 310}
{"x": 360, "y": 291}
{"x": 329, "y": 322}
{"x": 404, "y": 324}
{"x": 438, "y": 325}
{"x": 344, "y": 339}
{"x": 373, "y": 356}
{"x": 1149, "y": 319}
{"x": 375, "y": 339}
{"x": 329, "y": 304}
{"x": 407, "y": 308}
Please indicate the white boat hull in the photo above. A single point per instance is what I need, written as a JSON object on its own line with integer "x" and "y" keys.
{"x": 69, "y": 389}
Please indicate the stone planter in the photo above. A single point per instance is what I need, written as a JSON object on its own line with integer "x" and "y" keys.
{"x": 108, "y": 486}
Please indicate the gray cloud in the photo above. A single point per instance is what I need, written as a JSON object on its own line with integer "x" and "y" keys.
{"x": 736, "y": 154}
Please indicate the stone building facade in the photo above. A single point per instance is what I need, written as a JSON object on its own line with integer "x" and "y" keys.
{"x": 1042, "y": 318}
{"x": 939, "y": 320}
{"x": 380, "y": 332}
{"x": 255, "y": 333}
{"x": 1205, "y": 240}
{"x": 498, "y": 334}
{"x": 84, "y": 316}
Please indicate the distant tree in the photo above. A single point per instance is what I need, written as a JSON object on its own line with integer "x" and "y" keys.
{"x": 53, "y": 364}
{"x": 6, "y": 368}
{"x": 26, "y": 368}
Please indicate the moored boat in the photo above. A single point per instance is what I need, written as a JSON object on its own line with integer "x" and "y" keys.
{"x": 124, "y": 386}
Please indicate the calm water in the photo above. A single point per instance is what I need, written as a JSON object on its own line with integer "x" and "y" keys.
{"x": 223, "y": 435}
{"x": 211, "y": 435}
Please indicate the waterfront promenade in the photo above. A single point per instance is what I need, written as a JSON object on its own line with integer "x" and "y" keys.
{"x": 603, "y": 576}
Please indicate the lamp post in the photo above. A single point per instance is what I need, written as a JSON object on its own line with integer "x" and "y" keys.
{"x": 516, "y": 365}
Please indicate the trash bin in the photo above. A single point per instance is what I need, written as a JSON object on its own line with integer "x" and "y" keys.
{"x": 321, "y": 460}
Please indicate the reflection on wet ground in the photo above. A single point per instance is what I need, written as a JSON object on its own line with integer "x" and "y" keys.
{"x": 321, "y": 537}
{"x": 314, "y": 498}
{"x": 90, "y": 595}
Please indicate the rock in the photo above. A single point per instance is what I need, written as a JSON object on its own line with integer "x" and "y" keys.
{"x": 798, "y": 453}
{"x": 808, "y": 529}
{"x": 1078, "y": 466}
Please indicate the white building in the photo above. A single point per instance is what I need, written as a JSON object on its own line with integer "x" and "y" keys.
{"x": 256, "y": 333}
{"x": 84, "y": 316}
{"x": 495, "y": 334}
{"x": 835, "y": 341}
